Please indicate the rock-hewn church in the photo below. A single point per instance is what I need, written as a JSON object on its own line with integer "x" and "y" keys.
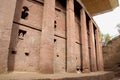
{"x": 48, "y": 36}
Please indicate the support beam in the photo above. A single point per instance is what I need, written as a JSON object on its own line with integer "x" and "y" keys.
{"x": 70, "y": 37}
{"x": 92, "y": 47}
{"x": 100, "y": 66}
{"x": 47, "y": 37}
{"x": 84, "y": 40}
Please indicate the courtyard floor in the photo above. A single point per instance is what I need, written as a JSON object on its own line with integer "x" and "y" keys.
{"x": 60, "y": 76}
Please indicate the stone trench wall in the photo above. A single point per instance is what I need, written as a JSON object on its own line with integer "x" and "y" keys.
{"x": 111, "y": 54}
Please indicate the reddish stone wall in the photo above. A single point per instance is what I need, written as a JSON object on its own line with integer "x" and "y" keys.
{"x": 7, "y": 9}
{"x": 35, "y": 13}
{"x": 24, "y": 53}
{"x": 77, "y": 43}
{"x": 60, "y": 53}
{"x": 112, "y": 55}
{"x": 51, "y": 37}
{"x": 60, "y": 38}
{"x": 25, "y": 39}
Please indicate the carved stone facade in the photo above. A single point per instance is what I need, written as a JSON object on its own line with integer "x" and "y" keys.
{"x": 48, "y": 36}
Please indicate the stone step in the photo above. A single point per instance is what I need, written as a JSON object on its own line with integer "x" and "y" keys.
{"x": 60, "y": 76}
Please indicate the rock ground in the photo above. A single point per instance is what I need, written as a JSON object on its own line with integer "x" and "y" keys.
{"x": 62, "y": 76}
{"x": 116, "y": 78}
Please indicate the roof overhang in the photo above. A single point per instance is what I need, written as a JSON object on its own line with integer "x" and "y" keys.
{"x": 95, "y": 7}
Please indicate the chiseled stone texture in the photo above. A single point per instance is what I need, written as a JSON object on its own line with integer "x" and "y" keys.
{"x": 59, "y": 55}
{"x": 29, "y": 44}
{"x": 111, "y": 54}
{"x": 100, "y": 65}
{"x": 24, "y": 51}
{"x": 47, "y": 36}
{"x": 84, "y": 41}
{"x": 92, "y": 47}
{"x": 6, "y": 19}
{"x": 70, "y": 36}
{"x": 64, "y": 76}
{"x": 35, "y": 13}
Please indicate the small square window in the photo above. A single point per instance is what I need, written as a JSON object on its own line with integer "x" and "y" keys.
{"x": 25, "y": 13}
{"x": 21, "y": 33}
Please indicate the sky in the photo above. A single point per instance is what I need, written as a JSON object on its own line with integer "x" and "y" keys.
{"x": 107, "y": 22}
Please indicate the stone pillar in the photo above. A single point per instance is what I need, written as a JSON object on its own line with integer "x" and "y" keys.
{"x": 71, "y": 65}
{"x": 7, "y": 10}
{"x": 47, "y": 37}
{"x": 84, "y": 41}
{"x": 92, "y": 47}
{"x": 100, "y": 66}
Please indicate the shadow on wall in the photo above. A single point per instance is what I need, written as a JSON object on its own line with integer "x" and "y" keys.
{"x": 111, "y": 56}
{"x": 14, "y": 39}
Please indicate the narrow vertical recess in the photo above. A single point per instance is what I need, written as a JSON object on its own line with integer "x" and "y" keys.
{"x": 84, "y": 41}
{"x": 92, "y": 47}
{"x": 100, "y": 65}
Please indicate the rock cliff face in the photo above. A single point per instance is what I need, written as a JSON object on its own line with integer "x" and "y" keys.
{"x": 112, "y": 55}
